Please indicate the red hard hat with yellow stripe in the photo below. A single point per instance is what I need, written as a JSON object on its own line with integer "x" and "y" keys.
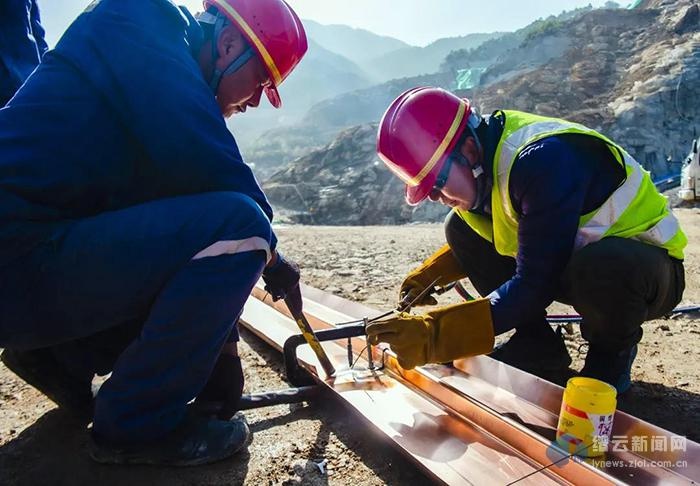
{"x": 416, "y": 135}
{"x": 273, "y": 30}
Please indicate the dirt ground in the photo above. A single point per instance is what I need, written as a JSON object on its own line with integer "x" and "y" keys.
{"x": 40, "y": 444}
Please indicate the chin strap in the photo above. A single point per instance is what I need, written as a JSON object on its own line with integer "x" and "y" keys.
{"x": 473, "y": 122}
{"x": 218, "y": 22}
{"x": 235, "y": 65}
{"x": 480, "y": 189}
{"x": 477, "y": 169}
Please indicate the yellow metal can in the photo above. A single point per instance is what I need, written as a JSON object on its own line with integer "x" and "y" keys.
{"x": 586, "y": 417}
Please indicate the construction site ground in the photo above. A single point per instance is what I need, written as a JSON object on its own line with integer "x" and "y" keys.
{"x": 40, "y": 444}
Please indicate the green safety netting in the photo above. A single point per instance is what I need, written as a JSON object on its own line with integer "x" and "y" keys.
{"x": 468, "y": 78}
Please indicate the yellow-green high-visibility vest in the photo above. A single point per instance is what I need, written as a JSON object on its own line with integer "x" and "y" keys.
{"x": 635, "y": 210}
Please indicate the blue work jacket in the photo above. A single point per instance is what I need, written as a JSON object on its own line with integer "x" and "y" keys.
{"x": 22, "y": 44}
{"x": 118, "y": 114}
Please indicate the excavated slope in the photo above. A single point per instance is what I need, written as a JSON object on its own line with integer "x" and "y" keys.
{"x": 632, "y": 74}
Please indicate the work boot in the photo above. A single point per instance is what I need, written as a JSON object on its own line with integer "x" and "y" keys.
{"x": 613, "y": 367}
{"x": 197, "y": 440}
{"x": 543, "y": 354}
{"x": 40, "y": 369}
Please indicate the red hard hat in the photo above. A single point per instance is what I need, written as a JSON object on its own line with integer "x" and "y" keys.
{"x": 275, "y": 33}
{"x": 417, "y": 133}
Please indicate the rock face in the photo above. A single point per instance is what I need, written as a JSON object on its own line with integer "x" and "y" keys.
{"x": 414, "y": 61}
{"x": 633, "y": 74}
{"x": 326, "y": 119}
{"x": 344, "y": 184}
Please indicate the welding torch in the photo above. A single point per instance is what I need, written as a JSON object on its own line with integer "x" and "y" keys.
{"x": 404, "y": 306}
{"x": 408, "y": 301}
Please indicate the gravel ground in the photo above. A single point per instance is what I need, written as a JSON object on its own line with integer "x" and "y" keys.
{"x": 39, "y": 444}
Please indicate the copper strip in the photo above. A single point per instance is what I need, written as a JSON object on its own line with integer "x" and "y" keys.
{"x": 491, "y": 403}
{"x": 538, "y": 402}
{"x": 444, "y": 446}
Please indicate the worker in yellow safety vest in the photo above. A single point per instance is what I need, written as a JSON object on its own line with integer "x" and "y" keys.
{"x": 543, "y": 209}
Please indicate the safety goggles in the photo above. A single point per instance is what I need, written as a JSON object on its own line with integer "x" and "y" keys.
{"x": 441, "y": 180}
{"x": 454, "y": 157}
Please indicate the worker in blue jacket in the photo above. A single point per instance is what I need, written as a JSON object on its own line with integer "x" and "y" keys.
{"x": 22, "y": 44}
{"x": 543, "y": 209}
{"x": 131, "y": 230}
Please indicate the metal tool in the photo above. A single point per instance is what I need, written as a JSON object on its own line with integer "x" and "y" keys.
{"x": 358, "y": 327}
{"x": 265, "y": 399}
{"x": 480, "y": 423}
{"x": 306, "y": 387}
{"x": 297, "y": 375}
{"x": 406, "y": 303}
{"x": 370, "y": 362}
{"x": 311, "y": 339}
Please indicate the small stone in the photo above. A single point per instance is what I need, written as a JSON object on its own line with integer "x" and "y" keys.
{"x": 664, "y": 327}
{"x": 683, "y": 383}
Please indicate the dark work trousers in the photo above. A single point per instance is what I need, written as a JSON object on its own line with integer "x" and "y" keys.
{"x": 615, "y": 284}
{"x": 150, "y": 292}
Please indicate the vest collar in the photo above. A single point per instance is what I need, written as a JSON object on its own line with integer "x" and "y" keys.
{"x": 489, "y": 133}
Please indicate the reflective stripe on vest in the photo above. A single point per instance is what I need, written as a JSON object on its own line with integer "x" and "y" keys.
{"x": 635, "y": 210}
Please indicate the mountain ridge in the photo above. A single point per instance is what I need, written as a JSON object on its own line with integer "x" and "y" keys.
{"x": 633, "y": 75}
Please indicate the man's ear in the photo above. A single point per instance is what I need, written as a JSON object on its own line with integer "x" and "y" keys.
{"x": 229, "y": 44}
{"x": 470, "y": 149}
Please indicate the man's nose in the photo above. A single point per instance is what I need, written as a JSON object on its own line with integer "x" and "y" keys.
{"x": 445, "y": 200}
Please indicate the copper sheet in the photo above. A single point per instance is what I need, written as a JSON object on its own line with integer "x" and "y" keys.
{"x": 490, "y": 421}
{"x": 538, "y": 402}
{"x": 447, "y": 448}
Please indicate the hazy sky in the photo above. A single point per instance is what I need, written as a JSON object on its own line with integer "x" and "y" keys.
{"x": 420, "y": 22}
{"x": 417, "y": 22}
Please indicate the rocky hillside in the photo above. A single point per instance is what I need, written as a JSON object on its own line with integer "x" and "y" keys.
{"x": 344, "y": 183}
{"x": 384, "y": 58}
{"x": 343, "y": 64}
{"x": 632, "y": 74}
{"x": 323, "y": 74}
{"x": 324, "y": 120}
{"x": 497, "y": 49}
{"x": 289, "y": 139}
{"x": 415, "y": 61}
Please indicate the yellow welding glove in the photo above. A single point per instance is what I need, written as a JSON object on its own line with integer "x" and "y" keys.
{"x": 442, "y": 264}
{"x": 439, "y": 336}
